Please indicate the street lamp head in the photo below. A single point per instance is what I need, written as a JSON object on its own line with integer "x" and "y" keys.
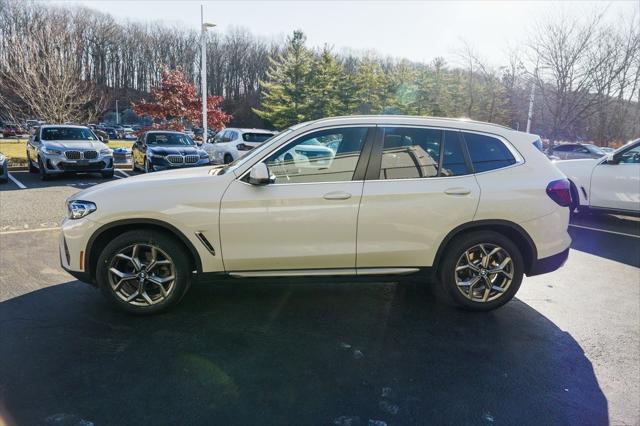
{"x": 207, "y": 25}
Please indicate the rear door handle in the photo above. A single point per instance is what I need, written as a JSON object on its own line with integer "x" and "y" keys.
{"x": 337, "y": 195}
{"x": 457, "y": 191}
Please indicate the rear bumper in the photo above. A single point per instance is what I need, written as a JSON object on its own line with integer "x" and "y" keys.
{"x": 549, "y": 264}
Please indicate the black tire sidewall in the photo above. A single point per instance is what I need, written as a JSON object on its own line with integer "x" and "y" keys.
{"x": 228, "y": 157}
{"x": 457, "y": 247}
{"x": 164, "y": 241}
{"x": 42, "y": 170}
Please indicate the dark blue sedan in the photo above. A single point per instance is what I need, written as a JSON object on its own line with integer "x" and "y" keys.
{"x": 164, "y": 149}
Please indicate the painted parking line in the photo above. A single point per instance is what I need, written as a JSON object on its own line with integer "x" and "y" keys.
{"x": 24, "y": 231}
{"x": 17, "y": 182}
{"x": 123, "y": 172}
{"x": 118, "y": 177}
{"x": 604, "y": 230}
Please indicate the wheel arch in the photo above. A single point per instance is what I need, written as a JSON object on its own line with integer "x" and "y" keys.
{"x": 512, "y": 230}
{"x": 101, "y": 237}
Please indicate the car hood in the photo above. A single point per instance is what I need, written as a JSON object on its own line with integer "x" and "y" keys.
{"x": 142, "y": 184}
{"x": 78, "y": 145}
{"x": 174, "y": 150}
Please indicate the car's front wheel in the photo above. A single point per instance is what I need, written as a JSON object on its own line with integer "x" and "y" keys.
{"x": 148, "y": 167}
{"x": 43, "y": 172}
{"x": 32, "y": 168}
{"x": 143, "y": 272}
{"x": 228, "y": 159}
{"x": 481, "y": 270}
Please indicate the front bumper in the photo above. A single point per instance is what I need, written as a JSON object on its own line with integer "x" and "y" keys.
{"x": 72, "y": 244}
{"x": 60, "y": 164}
{"x": 549, "y": 264}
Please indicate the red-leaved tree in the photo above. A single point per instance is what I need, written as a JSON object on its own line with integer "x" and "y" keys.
{"x": 175, "y": 102}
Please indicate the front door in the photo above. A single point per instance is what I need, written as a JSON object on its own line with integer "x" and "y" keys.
{"x": 305, "y": 219}
{"x": 418, "y": 188}
{"x": 617, "y": 185}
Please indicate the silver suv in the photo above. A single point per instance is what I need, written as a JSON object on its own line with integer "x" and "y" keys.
{"x": 56, "y": 149}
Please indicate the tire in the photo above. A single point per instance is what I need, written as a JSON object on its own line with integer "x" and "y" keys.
{"x": 32, "y": 168}
{"x": 43, "y": 172}
{"x": 148, "y": 168}
{"x": 167, "y": 248}
{"x": 228, "y": 159}
{"x": 455, "y": 277}
{"x": 107, "y": 175}
{"x": 134, "y": 168}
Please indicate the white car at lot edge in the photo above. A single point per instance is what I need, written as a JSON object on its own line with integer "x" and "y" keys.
{"x": 608, "y": 184}
{"x": 470, "y": 207}
{"x": 230, "y": 144}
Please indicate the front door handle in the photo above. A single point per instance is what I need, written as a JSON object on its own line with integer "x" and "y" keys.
{"x": 337, "y": 195}
{"x": 457, "y": 191}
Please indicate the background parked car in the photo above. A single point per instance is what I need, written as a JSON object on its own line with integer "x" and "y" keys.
{"x": 570, "y": 151}
{"x": 230, "y": 144}
{"x": 56, "y": 149}
{"x": 111, "y": 132}
{"x": 609, "y": 183}
{"x": 4, "y": 168}
{"x": 12, "y": 130}
{"x": 164, "y": 149}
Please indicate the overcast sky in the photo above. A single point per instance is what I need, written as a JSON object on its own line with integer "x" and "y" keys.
{"x": 416, "y": 30}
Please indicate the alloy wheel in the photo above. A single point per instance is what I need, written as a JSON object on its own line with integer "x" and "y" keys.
{"x": 484, "y": 272}
{"x": 142, "y": 275}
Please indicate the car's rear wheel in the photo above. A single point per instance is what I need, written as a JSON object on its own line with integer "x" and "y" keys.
{"x": 143, "y": 272}
{"x": 481, "y": 270}
{"x": 228, "y": 159}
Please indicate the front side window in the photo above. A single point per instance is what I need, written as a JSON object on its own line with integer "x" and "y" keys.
{"x": 487, "y": 153}
{"x": 323, "y": 156}
{"x": 631, "y": 156}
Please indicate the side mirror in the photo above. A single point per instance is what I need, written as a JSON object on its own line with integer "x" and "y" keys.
{"x": 259, "y": 175}
{"x": 611, "y": 159}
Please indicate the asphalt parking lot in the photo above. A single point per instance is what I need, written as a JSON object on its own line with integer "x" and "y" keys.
{"x": 566, "y": 351}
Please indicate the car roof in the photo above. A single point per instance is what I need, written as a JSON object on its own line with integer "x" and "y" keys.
{"x": 457, "y": 123}
{"x": 247, "y": 130}
{"x": 70, "y": 126}
{"x": 164, "y": 131}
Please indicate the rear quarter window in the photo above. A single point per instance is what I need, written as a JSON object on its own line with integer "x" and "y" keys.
{"x": 487, "y": 152}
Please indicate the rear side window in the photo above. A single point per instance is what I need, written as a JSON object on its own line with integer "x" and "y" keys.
{"x": 487, "y": 153}
{"x": 410, "y": 153}
{"x": 256, "y": 137}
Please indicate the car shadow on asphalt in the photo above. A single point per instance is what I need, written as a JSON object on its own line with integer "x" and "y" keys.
{"x": 279, "y": 353}
{"x": 617, "y": 247}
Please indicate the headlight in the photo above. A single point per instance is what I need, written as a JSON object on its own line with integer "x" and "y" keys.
{"x": 152, "y": 155}
{"x": 204, "y": 155}
{"x": 105, "y": 151}
{"x": 79, "y": 209}
{"x": 50, "y": 151}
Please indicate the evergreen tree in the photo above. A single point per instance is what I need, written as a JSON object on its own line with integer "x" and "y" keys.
{"x": 369, "y": 92}
{"x": 325, "y": 87}
{"x": 285, "y": 93}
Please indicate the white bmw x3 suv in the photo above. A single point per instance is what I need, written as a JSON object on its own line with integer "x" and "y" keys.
{"x": 472, "y": 206}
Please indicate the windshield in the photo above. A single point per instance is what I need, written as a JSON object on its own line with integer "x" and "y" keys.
{"x": 256, "y": 137}
{"x": 165, "y": 139}
{"x": 258, "y": 150}
{"x": 595, "y": 149}
{"x": 68, "y": 134}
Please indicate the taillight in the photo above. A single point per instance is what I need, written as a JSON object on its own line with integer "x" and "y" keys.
{"x": 243, "y": 147}
{"x": 560, "y": 192}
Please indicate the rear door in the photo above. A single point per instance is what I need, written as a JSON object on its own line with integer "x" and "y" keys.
{"x": 419, "y": 187}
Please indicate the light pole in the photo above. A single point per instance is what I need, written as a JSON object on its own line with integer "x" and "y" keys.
{"x": 203, "y": 70}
